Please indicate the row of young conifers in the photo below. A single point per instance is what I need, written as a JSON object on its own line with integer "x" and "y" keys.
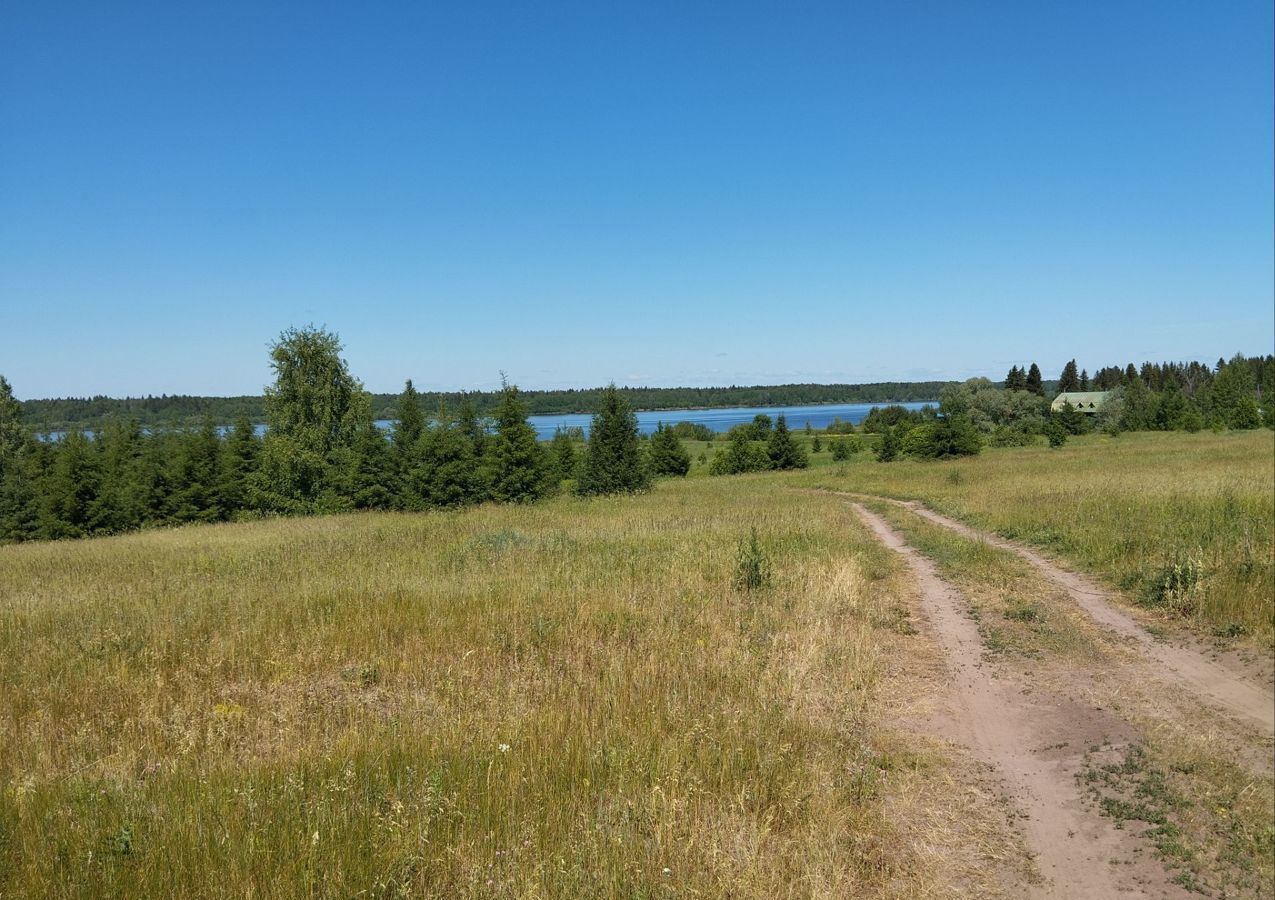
{"x": 321, "y": 452}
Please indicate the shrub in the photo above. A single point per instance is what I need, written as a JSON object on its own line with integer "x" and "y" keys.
{"x": 666, "y": 455}
{"x": 741, "y": 456}
{"x": 1178, "y": 585}
{"x": 752, "y": 566}
{"x": 890, "y": 447}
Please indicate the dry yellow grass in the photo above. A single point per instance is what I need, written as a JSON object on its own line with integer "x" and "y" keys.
{"x": 1123, "y": 508}
{"x": 556, "y": 701}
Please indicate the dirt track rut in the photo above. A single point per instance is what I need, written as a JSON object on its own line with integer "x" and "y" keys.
{"x": 1036, "y": 743}
{"x": 1207, "y": 679}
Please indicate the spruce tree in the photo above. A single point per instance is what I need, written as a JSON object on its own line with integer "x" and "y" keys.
{"x": 563, "y": 451}
{"x": 1084, "y": 379}
{"x": 239, "y": 460}
{"x": 613, "y": 464}
{"x": 198, "y": 481}
{"x": 784, "y": 452}
{"x": 124, "y": 500}
{"x": 411, "y": 420}
{"x": 448, "y": 474}
{"x": 666, "y": 455}
{"x": 518, "y": 467}
{"x": 1070, "y": 379}
{"x": 70, "y": 488}
{"x": 372, "y": 478}
{"x": 1016, "y": 380}
{"x": 1033, "y": 382}
{"x": 472, "y": 426}
{"x": 891, "y": 444}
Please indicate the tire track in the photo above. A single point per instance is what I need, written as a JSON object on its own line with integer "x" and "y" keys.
{"x": 1036, "y": 744}
{"x": 1209, "y": 680}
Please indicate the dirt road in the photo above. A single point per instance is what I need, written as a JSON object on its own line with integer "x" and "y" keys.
{"x": 1211, "y": 681}
{"x": 1036, "y": 742}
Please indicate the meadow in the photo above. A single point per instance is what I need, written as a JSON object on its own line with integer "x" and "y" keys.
{"x": 576, "y": 697}
{"x": 559, "y": 700}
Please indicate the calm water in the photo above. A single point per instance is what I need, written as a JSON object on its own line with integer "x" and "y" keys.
{"x": 819, "y": 416}
{"x": 724, "y": 419}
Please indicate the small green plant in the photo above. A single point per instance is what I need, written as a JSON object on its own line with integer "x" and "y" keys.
{"x": 1021, "y": 611}
{"x": 752, "y": 566}
{"x": 1179, "y": 584}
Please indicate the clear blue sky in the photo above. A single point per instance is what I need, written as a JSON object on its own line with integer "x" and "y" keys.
{"x": 653, "y": 193}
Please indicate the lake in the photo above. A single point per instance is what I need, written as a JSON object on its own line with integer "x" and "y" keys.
{"x": 722, "y": 419}
{"x": 820, "y": 416}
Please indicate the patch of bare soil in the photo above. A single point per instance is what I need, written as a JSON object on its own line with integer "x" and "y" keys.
{"x": 1037, "y": 743}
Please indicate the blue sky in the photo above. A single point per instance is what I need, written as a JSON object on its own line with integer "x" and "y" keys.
{"x": 649, "y": 193}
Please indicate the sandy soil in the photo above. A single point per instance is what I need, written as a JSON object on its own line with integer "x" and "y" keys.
{"x": 1036, "y": 741}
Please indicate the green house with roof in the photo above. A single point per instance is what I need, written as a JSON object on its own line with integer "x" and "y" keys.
{"x": 1085, "y": 401}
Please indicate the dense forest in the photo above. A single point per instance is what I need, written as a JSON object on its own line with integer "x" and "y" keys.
{"x": 71, "y": 413}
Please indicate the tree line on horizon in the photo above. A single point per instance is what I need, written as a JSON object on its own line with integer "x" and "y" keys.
{"x": 322, "y": 452}
{"x": 182, "y": 411}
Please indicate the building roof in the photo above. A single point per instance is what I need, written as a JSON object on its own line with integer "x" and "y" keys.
{"x": 1086, "y": 401}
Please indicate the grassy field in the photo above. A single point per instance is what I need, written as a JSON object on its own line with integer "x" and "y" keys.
{"x": 561, "y": 700}
{"x": 564, "y": 700}
{"x": 1197, "y": 511}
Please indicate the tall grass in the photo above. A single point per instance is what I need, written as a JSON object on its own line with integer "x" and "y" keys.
{"x": 566, "y": 700}
{"x": 1130, "y": 508}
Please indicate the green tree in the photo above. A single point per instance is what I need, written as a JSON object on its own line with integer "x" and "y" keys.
{"x": 816, "y": 445}
{"x": 891, "y": 445}
{"x": 950, "y": 436}
{"x": 125, "y": 497}
{"x": 1070, "y": 379}
{"x": 562, "y": 449}
{"x": 666, "y": 455}
{"x": 12, "y": 431}
{"x": 1016, "y": 380}
{"x": 1071, "y": 419}
{"x": 472, "y": 426}
{"x": 518, "y": 468}
{"x": 743, "y": 455}
{"x": 1232, "y": 394}
{"x": 840, "y": 449}
{"x": 784, "y": 452}
{"x": 448, "y": 474}
{"x": 411, "y": 420}
{"x": 315, "y": 410}
{"x": 613, "y": 463}
{"x": 69, "y": 489}
{"x": 19, "y": 511}
{"x": 1033, "y": 383}
{"x": 198, "y": 478}
{"x": 239, "y": 461}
